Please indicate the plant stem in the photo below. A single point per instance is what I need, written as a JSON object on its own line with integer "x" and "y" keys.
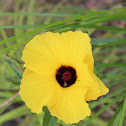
{"x": 9, "y": 100}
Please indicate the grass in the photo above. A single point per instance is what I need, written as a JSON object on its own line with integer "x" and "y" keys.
{"x": 108, "y": 51}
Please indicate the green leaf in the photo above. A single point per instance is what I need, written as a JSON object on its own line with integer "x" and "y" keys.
{"x": 38, "y": 14}
{"x": 14, "y": 46}
{"x": 111, "y": 44}
{"x": 111, "y": 64}
{"x": 94, "y": 14}
{"x": 103, "y": 109}
{"x": 13, "y": 114}
{"x": 123, "y": 113}
{"x": 97, "y": 41}
{"x": 49, "y": 120}
{"x": 15, "y": 71}
{"x": 105, "y": 27}
{"x": 96, "y": 103}
{"x": 115, "y": 114}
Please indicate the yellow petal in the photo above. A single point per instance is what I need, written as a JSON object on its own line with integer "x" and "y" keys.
{"x": 90, "y": 62}
{"x": 73, "y": 46}
{"x": 37, "y": 91}
{"x": 71, "y": 107}
{"x": 94, "y": 85}
{"x": 97, "y": 89}
{"x": 47, "y": 52}
{"x": 39, "y": 54}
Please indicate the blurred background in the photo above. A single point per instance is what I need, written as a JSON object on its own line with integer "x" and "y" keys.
{"x": 103, "y": 20}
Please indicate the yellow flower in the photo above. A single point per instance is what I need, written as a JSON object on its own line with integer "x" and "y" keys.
{"x": 59, "y": 75}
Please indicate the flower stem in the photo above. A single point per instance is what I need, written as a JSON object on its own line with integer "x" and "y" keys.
{"x": 9, "y": 100}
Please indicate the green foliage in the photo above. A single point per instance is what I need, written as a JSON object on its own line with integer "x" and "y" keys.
{"x": 115, "y": 114}
{"x": 16, "y": 72}
{"x": 48, "y": 119}
{"x": 20, "y": 111}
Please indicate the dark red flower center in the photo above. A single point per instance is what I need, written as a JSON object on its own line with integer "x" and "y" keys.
{"x": 66, "y": 76}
